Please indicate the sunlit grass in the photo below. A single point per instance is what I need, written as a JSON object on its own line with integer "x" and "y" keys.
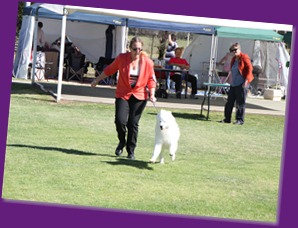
{"x": 64, "y": 153}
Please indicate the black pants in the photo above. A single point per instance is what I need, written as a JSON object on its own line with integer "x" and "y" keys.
{"x": 177, "y": 78}
{"x": 127, "y": 117}
{"x": 238, "y": 94}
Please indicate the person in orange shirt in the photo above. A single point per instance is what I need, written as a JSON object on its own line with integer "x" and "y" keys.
{"x": 241, "y": 70}
{"x": 135, "y": 81}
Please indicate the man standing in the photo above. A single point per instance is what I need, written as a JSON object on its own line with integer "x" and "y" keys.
{"x": 40, "y": 37}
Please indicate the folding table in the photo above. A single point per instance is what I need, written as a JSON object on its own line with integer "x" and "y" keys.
{"x": 207, "y": 94}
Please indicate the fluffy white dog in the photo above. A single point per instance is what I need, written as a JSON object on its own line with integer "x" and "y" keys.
{"x": 167, "y": 135}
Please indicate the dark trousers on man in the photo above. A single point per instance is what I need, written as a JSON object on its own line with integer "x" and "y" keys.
{"x": 177, "y": 78}
{"x": 127, "y": 117}
{"x": 238, "y": 94}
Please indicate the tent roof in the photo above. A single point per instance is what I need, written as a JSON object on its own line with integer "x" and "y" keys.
{"x": 76, "y": 16}
{"x": 170, "y": 26}
{"x": 93, "y": 17}
{"x": 164, "y": 17}
{"x": 247, "y": 33}
{"x": 288, "y": 38}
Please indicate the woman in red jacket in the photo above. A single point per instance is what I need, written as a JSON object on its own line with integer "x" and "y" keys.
{"x": 135, "y": 80}
{"x": 241, "y": 69}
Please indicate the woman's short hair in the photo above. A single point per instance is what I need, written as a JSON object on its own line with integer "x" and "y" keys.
{"x": 235, "y": 46}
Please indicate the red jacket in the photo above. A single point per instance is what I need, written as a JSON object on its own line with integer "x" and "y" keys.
{"x": 245, "y": 67}
{"x": 145, "y": 81}
{"x": 176, "y": 60}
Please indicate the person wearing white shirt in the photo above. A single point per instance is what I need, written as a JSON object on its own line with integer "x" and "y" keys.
{"x": 40, "y": 37}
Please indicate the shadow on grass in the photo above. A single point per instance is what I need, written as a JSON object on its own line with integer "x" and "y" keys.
{"x": 192, "y": 116}
{"x": 134, "y": 163}
{"x": 58, "y": 149}
{"x": 25, "y": 88}
{"x": 30, "y": 89}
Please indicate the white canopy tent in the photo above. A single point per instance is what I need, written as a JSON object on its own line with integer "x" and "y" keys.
{"x": 88, "y": 32}
{"x": 92, "y": 45}
{"x": 66, "y": 10}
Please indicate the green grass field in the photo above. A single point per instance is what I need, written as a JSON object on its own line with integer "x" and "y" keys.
{"x": 63, "y": 153}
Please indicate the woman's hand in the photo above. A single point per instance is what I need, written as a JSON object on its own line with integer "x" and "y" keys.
{"x": 245, "y": 84}
{"x": 152, "y": 98}
{"x": 99, "y": 78}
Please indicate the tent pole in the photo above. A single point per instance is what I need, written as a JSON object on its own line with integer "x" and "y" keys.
{"x": 123, "y": 39}
{"x": 215, "y": 56}
{"x": 61, "y": 59}
{"x": 188, "y": 37}
{"x": 34, "y": 48}
{"x": 212, "y": 56}
{"x": 126, "y": 36}
{"x": 211, "y": 62}
{"x": 267, "y": 66}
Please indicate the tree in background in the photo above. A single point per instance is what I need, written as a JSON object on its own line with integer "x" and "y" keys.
{"x": 21, "y": 6}
{"x": 162, "y": 44}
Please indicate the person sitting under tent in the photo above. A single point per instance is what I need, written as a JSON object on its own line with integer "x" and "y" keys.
{"x": 178, "y": 77}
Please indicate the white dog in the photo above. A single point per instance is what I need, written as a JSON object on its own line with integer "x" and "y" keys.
{"x": 167, "y": 134}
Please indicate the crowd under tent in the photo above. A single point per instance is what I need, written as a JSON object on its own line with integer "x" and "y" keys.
{"x": 265, "y": 48}
{"x": 69, "y": 18}
{"x": 86, "y": 31}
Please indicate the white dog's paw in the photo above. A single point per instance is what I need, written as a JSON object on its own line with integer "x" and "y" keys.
{"x": 162, "y": 161}
{"x": 152, "y": 160}
{"x": 173, "y": 157}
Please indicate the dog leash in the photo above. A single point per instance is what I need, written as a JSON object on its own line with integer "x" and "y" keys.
{"x": 155, "y": 106}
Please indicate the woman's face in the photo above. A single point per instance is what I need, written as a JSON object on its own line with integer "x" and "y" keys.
{"x": 136, "y": 49}
{"x": 235, "y": 51}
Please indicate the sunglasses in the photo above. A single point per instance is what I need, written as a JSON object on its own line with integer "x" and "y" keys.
{"x": 137, "y": 49}
{"x": 234, "y": 50}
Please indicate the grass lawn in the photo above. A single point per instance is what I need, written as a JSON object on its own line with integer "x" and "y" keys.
{"x": 63, "y": 153}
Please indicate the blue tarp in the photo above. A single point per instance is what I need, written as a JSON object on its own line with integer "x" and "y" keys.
{"x": 120, "y": 21}
{"x": 76, "y": 16}
{"x": 170, "y": 26}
